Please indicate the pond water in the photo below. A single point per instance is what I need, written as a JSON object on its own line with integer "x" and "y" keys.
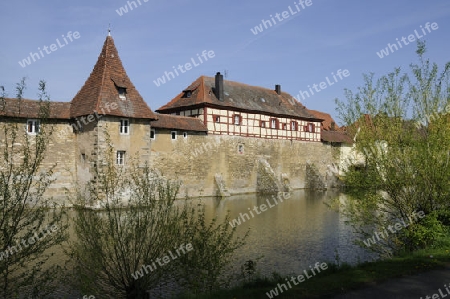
{"x": 288, "y": 236}
{"x": 293, "y": 234}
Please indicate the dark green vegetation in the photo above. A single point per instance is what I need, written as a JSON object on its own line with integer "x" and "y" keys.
{"x": 401, "y": 123}
{"x": 112, "y": 245}
{"x": 24, "y": 211}
{"x": 402, "y": 128}
{"x": 139, "y": 225}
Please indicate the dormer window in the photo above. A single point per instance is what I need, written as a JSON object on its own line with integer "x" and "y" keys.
{"x": 122, "y": 93}
{"x": 187, "y": 94}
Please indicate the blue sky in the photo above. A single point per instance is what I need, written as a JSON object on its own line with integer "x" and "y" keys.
{"x": 303, "y": 49}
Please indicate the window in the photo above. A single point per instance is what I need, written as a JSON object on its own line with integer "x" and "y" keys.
{"x": 184, "y": 135}
{"x": 262, "y": 124}
{"x": 310, "y": 128}
{"x": 120, "y": 158}
{"x": 187, "y": 94}
{"x": 174, "y": 135}
{"x": 237, "y": 119}
{"x": 32, "y": 126}
{"x": 122, "y": 93}
{"x": 124, "y": 126}
{"x": 216, "y": 118}
{"x": 83, "y": 159}
{"x": 274, "y": 123}
{"x": 152, "y": 134}
{"x": 284, "y": 126}
{"x": 294, "y": 126}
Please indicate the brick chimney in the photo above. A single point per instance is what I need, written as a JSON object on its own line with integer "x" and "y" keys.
{"x": 218, "y": 89}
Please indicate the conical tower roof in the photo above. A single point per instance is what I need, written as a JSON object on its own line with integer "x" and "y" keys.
{"x": 108, "y": 83}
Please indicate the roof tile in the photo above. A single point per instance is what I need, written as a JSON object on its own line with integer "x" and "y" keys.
{"x": 176, "y": 122}
{"x": 238, "y": 96}
{"x": 100, "y": 91}
{"x": 25, "y": 108}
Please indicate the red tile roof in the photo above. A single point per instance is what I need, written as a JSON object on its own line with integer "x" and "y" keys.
{"x": 336, "y": 137}
{"x": 26, "y": 108}
{"x": 239, "y": 96}
{"x": 100, "y": 89}
{"x": 175, "y": 122}
{"x": 327, "y": 120}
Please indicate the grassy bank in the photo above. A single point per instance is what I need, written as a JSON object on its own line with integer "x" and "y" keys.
{"x": 336, "y": 280}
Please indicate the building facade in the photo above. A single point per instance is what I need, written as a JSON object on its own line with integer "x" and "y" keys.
{"x": 218, "y": 137}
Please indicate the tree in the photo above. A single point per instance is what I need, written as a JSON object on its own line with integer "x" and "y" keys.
{"x": 29, "y": 224}
{"x": 407, "y": 114}
{"x": 142, "y": 235}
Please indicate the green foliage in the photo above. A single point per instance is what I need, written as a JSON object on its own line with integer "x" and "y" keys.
{"x": 403, "y": 139}
{"x": 423, "y": 234}
{"x": 140, "y": 221}
{"x": 23, "y": 208}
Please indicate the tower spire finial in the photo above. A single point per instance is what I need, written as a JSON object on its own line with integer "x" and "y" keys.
{"x": 109, "y": 29}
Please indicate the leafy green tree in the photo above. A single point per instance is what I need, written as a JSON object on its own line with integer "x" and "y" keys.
{"x": 30, "y": 226}
{"x": 402, "y": 130}
{"x": 117, "y": 248}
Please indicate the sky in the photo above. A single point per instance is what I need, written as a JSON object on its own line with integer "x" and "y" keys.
{"x": 299, "y": 43}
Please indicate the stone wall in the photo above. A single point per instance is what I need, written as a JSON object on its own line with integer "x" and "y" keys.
{"x": 243, "y": 164}
{"x": 60, "y": 154}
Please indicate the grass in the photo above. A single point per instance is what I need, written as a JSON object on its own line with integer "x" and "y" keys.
{"x": 336, "y": 280}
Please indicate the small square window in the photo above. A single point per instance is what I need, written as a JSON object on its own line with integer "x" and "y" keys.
{"x": 120, "y": 158}
{"x": 184, "y": 135}
{"x": 124, "y": 127}
{"x": 216, "y": 118}
{"x": 152, "y": 134}
{"x": 262, "y": 124}
{"x": 32, "y": 126}
{"x": 174, "y": 135}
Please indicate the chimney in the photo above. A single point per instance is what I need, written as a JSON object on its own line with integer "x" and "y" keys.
{"x": 218, "y": 89}
{"x": 333, "y": 126}
{"x": 278, "y": 89}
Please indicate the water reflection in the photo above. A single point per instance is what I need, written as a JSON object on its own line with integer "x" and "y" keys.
{"x": 292, "y": 235}
{"x": 297, "y": 232}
